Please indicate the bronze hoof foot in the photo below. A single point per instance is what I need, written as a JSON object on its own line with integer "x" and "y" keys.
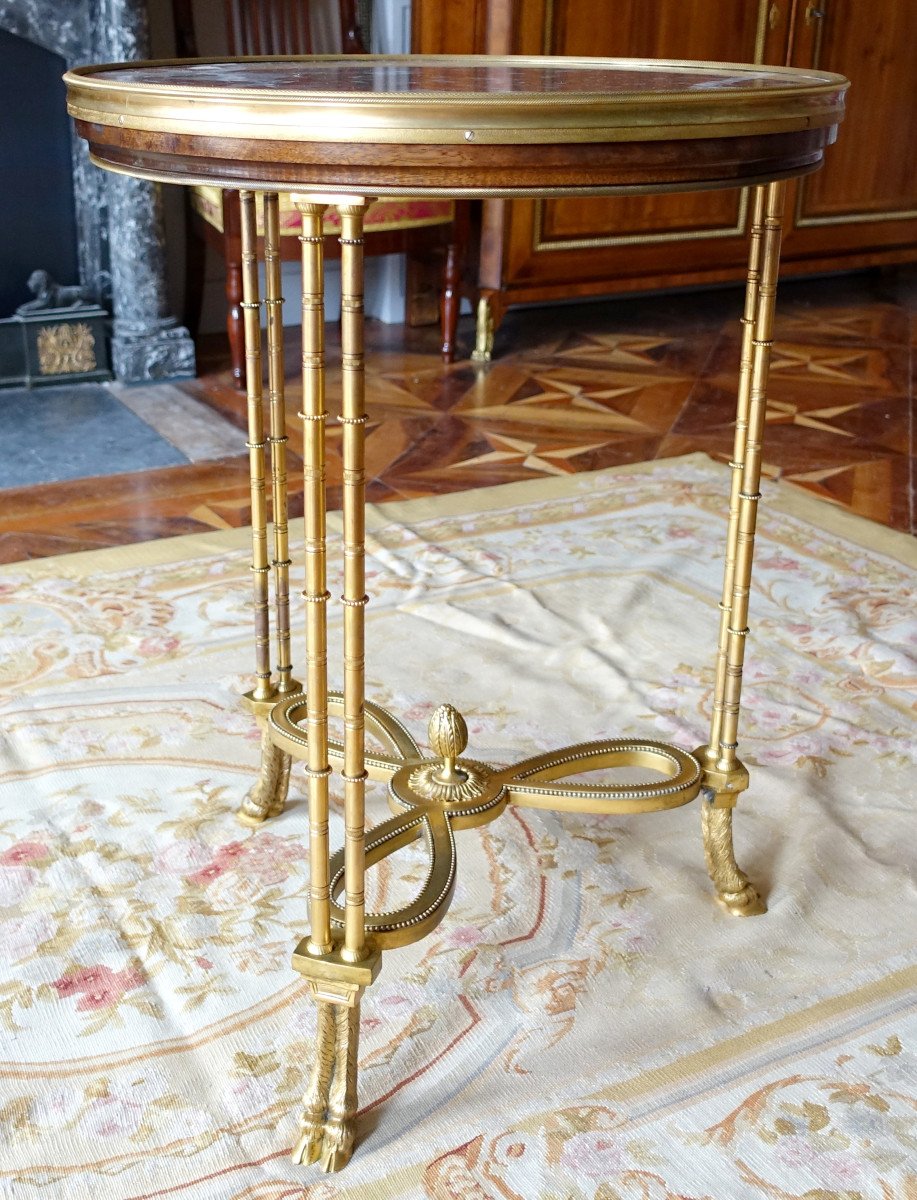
{"x": 268, "y": 797}
{"x": 309, "y": 1146}
{"x": 331, "y": 1098}
{"x": 337, "y": 1144}
{"x": 733, "y": 889}
{"x": 746, "y": 903}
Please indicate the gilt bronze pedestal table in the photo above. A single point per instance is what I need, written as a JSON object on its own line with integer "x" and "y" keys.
{"x": 339, "y": 132}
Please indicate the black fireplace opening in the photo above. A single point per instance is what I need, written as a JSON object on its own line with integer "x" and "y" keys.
{"x": 37, "y": 212}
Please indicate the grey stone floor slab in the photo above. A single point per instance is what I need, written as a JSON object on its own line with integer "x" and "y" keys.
{"x": 192, "y": 427}
{"x": 74, "y": 431}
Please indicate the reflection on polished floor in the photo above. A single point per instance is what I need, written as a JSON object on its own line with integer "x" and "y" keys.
{"x": 572, "y": 388}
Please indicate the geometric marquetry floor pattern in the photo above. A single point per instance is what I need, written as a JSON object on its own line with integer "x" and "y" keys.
{"x": 571, "y": 388}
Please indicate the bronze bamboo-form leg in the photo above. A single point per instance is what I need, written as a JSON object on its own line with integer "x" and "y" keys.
{"x": 315, "y": 1102}
{"x": 316, "y": 591}
{"x": 235, "y": 326}
{"x": 268, "y": 795}
{"x": 337, "y": 972}
{"x": 724, "y": 775}
{"x": 251, "y": 308}
{"x": 281, "y": 561}
{"x": 353, "y": 418}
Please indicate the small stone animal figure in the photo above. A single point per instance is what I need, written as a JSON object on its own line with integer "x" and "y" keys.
{"x": 49, "y": 293}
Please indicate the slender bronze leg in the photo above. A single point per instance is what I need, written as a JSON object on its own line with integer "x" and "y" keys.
{"x": 270, "y": 789}
{"x": 743, "y": 409}
{"x": 353, "y": 418}
{"x": 281, "y": 562}
{"x": 251, "y": 307}
{"x": 235, "y": 327}
{"x": 316, "y": 592}
{"x": 724, "y": 775}
{"x": 268, "y": 796}
{"x": 337, "y": 971}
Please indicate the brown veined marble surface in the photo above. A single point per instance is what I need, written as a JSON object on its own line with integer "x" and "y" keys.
{"x": 409, "y": 76}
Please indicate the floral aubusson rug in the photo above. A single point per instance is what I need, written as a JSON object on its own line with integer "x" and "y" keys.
{"x": 586, "y": 1024}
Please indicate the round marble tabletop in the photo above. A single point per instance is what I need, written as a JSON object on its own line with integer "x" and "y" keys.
{"x": 471, "y": 125}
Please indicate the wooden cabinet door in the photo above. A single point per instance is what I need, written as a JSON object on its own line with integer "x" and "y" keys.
{"x": 449, "y": 26}
{"x": 636, "y": 239}
{"x": 865, "y": 196}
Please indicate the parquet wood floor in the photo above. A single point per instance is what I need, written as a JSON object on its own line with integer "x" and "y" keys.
{"x": 572, "y": 388}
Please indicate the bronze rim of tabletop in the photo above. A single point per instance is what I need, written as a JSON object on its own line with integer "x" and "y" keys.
{"x": 457, "y": 143}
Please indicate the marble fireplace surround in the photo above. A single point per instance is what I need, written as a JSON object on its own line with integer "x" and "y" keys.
{"x": 119, "y": 219}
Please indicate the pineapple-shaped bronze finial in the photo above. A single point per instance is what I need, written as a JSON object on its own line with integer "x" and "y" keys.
{"x": 448, "y": 737}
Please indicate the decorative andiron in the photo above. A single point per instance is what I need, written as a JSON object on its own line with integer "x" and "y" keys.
{"x": 49, "y": 294}
{"x": 57, "y": 337}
